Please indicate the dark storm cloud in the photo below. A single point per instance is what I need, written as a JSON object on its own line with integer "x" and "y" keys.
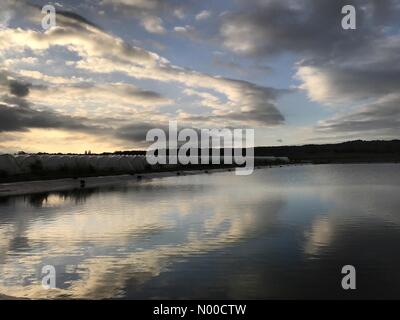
{"x": 137, "y": 132}
{"x": 337, "y": 66}
{"x": 382, "y": 117}
{"x": 68, "y": 18}
{"x": 259, "y": 108}
{"x": 19, "y": 89}
{"x": 32, "y": 10}
{"x": 15, "y": 87}
{"x": 15, "y": 101}
{"x": 304, "y": 26}
{"x": 144, "y": 94}
{"x": 261, "y": 117}
{"x": 353, "y": 83}
{"x": 25, "y": 118}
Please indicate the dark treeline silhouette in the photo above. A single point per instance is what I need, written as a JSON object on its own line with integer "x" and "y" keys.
{"x": 351, "y": 151}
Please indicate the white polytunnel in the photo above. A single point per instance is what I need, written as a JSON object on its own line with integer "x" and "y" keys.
{"x": 9, "y": 165}
{"x": 26, "y": 163}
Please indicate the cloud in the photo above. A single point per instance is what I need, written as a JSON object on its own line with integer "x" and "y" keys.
{"x": 149, "y": 12}
{"x": 179, "y": 13}
{"x": 36, "y": 99}
{"x": 257, "y": 106}
{"x": 112, "y": 93}
{"x": 188, "y": 31}
{"x": 347, "y": 84}
{"x": 382, "y": 117}
{"x": 18, "y": 88}
{"x": 24, "y": 118}
{"x": 240, "y": 96}
{"x": 34, "y": 75}
{"x": 221, "y": 60}
{"x": 14, "y": 101}
{"x": 14, "y": 87}
{"x": 100, "y": 52}
{"x": 71, "y": 19}
{"x": 174, "y": 7}
{"x": 153, "y": 24}
{"x": 112, "y": 100}
{"x": 336, "y": 65}
{"x": 136, "y": 132}
{"x": 5, "y": 17}
{"x": 370, "y": 96}
{"x": 357, "y": 70}
{"x": 311, "y": 27}
{"x": 370, "y": 74}
{"x": 203, "y": 15}
{"x": 235, "y": 119}
{"x": 137, "y": 4}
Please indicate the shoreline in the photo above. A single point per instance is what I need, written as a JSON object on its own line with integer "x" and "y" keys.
{"x": 28, "y": 187}
{"x": 21, "y": 188}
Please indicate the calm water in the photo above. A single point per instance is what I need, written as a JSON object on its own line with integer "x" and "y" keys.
{"x": 280, "y": 233}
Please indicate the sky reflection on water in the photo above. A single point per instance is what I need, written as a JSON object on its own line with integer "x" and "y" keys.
{"x": 280, "y": 233}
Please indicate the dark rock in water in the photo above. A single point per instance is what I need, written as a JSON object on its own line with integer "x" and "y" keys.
{"x": 178, "y": 173}
{"x": 83, "y": 183}
{"x": 139, "y": 177}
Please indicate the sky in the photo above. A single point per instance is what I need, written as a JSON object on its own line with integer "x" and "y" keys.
{"x": 111, "y": 70}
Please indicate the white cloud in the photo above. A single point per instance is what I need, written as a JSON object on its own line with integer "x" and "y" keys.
{"x": 203, "y": 15}
{"x": 153, "y": 24}
{"x": 179, "y": 13}
{"x": 317, "y": 84}
{"x": 139, "y": 4}
{"x": 188, "y": 31}
{"x": 36, "y": 75}
{"x": 184, "y": 29}
{"x": 103, "y": 53}
{"x": 103, "y": 94}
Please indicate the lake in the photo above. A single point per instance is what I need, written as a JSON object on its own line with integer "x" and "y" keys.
{"x": 283, "y": 232}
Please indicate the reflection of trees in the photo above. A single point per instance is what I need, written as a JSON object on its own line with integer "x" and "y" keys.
{"x": 78, "y": 196}
{"x": 36, "y": 200}
{"x": 4, "y": 201}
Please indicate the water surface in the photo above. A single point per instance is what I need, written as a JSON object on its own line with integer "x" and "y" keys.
{"x": 279, "y": 233}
